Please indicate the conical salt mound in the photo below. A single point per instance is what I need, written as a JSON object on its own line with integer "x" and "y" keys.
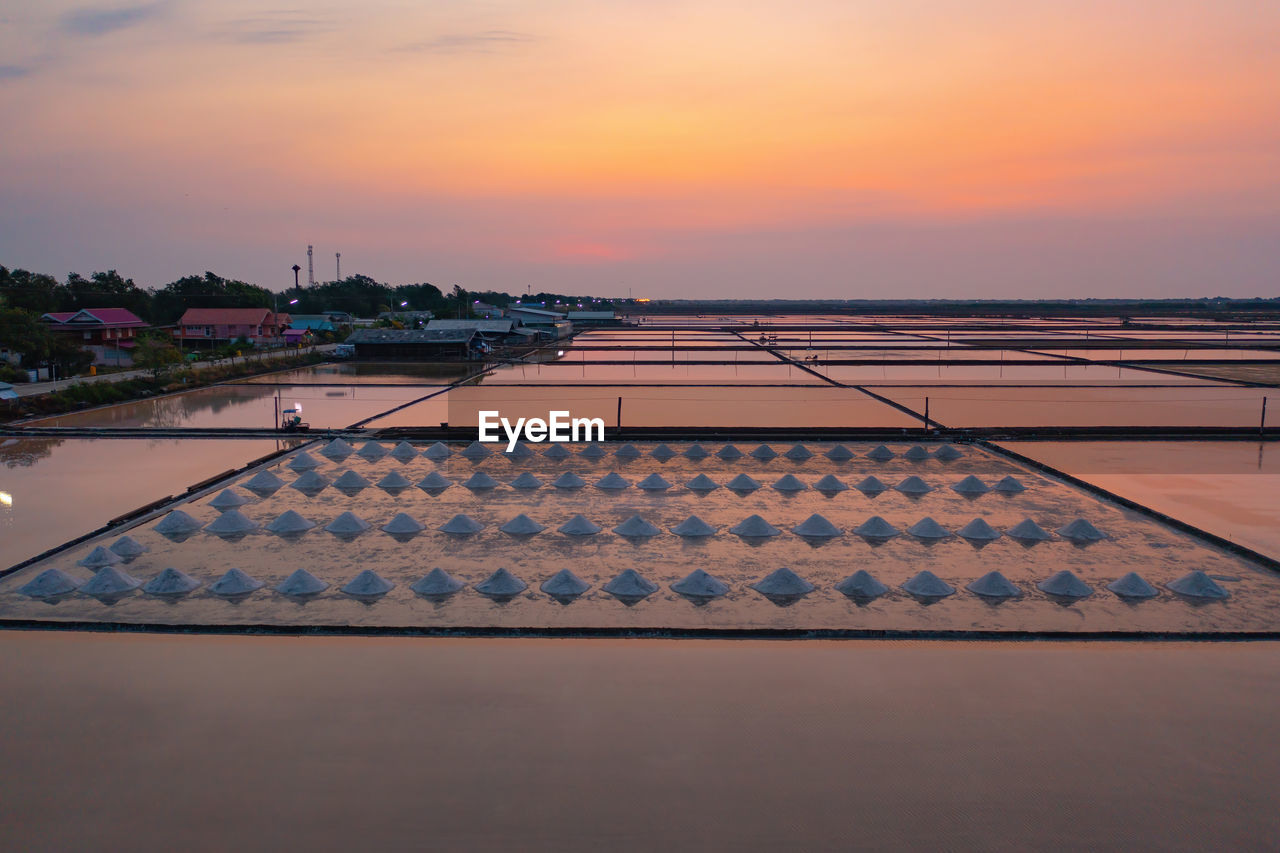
{"x": 476, "y": 451}
{"x": 263, "y": 483}
{"x": 50, "y": 583}
{"x": 699, "y": 584}
{"x": 971, "y": 485}
{"x": 696, "y": 451}
{"x": 927, "y": 528}
{"x": 556, "y": 451}
{"x": 994, "y": 585}
{"x": 839, "y": 453}
{"x": 518, "y": 453}
{"x": 480, "y": 481}
{"x": 743, "y": 483}
{"x": 522, "y": 525}
{"x": 303, "y": 461}
{"x": 702, "y": 483}
{"x": 434, "y": 482}
{"x": 351, "y": 483}
{"x": 928, "y": 585}
{"x": 110, "y": 581}
{"x": 289, "y": 523}
{"x": 461, "y": 525}
{"x": 872, "y": 486}
{"x": 636, "y": 527}
{"x": 782, "y": 582}
{"x": 789, "y": 483}
{"x": 371, "y": 451}
{"x": 613, "y": 481}
{"x": 830, "y": 485}
{"x": 653, "y": 483}
{"x": 754, "y": 526}
{"x": 565, "y": 584}
{"x": 630, "y": 585}
{"x": 337, "y": 450}
{"x": 403, "y": 524}
{"x": 437, "y": 451}
{"x": 177, "y": 523}
{"x": 729, "y": 453}
{"x": 568, "y": 480}
{"x": 627, "y": 451}
{"x": 437, "y": 583}
{"x": 1081, "y": 531}
{"x": 99, "y": 557}
{"x": 916, "y": 454}
{"x": 798, "y": 453}
{"x": 301, "y": 584}
{"x": 592, "y": 451}
{"x": 662, "y": 453}
{"x": 880, "y": 453}
{"x": 368, "y": 584}
{"x": 310, "y": 483}
{"x": 228, "y": 499}
{"x": 1064, "y": 584}
{"x": 876, "y": 527}
{"x": 764, "y": 452}
{"x": 1009, "y": 486}
{"x": 914, "y": 486}
{"x": 501, "y": 584}
{"x": 347, "y": 525}
{"x": 231, "y": 523}
{"x": 579, "y": 526}
{"x": 526, "y": 481}
{"x": 979, "y": 531}
{"x": 394, "y": 483}
{"x": 947, "y": 453}
{"x": 128, "y": 548}
{"x": 1132, "y": 586}
{"x": 816, "y": 527}
{"x": 404, "y": 452}
{"x": 862, "y": 585}
{"x": 171, "y": 582}
{"x": 1198, "y": 585}
{"x": 693, "y": 527}
{"x": 235, "y": 583}
{"x": 1028, "y": 531}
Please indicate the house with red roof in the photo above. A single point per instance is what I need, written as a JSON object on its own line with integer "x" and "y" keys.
{"x": 109, "y": 333}
{"x": 260, "y": 326}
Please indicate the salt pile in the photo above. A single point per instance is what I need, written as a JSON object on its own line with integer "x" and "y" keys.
{"x": 526, "y": 481}
{"x": 916, "y": 454}
{"x": 437, "y": 584}
{"x": 480, "y": 481}
{"x": 782, "y": 583}
{"x": 564, "y": 585}
{"x": 1028, "y": 531}
{"x": 461, "y": 525}
{"x": 693, "y": 528}
{"x": 696, "y": 451}
{"x": 579, "y": 526}
{"x": 371, "y": 451}
{"x": 129, "y": 548}
{"x": 729, "y": 453}
{"x": 475, "y": 451}
{"x": 350, "y": 483}
{"x": 1197, "y": 585}
{"x": 228, "y": 499}
{"x": 404, "y": 452}
{"x": 627, "y": 451}
{"x": 556, "y": 451}
{"x": 310, "y": 484}
{"x": 1009, "y": 486}
{"x": 1132, "y": 586}
{"x": 798, "y": 453}
{"x": 872, "y": 486}
{"x": 290, "y": 524}
{"x": 862, "y": 585}
{"x": 700, "y": 585}
{"x": 636, "y": 527}
{"x": 1064, "y": 584}
{"x": 927, "y": 528}
{"x": 754, "y": 527}
{"x": 264, "y": 483}
{"x": 501, "y": 584}
{"x": 662, "y": 453}
{"x": 301, "y": 584}
{"x": 928, "y": 585}
{"x": 839, "y": 453}
{"x": 394, "y": 483}
{"x": 702, "y": 483}
{"x": 613, "y": 481}
{"x": 434, "y": 483}
{"x": 177, "y": 526}
{"x": 568, "y": 480}
{"x": 519, "y": 453}
{"x": 816, "y": 527}
{"x": 1081, "y": 532}
{"x": 347, "y": 526}
{"x": 830, "y": 485}
{"x": 971, "y": 485}
{"x": 522, "y": 525}
{"x": 98, "y": 558}
{"x": 368, "y": 584}
{"x": 110, "y": 582}
{"x": 171, "y": 582}
{"x": 592, "y": 451}
{"x": 653, "y": 483}
{"x": 235, "y": 583}
{"x": 880, "y": 453}
{"x": 979, "y": 531}
{"x": 876, "y": 527}
{"x": 232, "y": 525}
{"x": 630, "y": 587}
{"x": 403, "y": 527}
{"x": 304, "y": 461}
{"x": 337, "y": 450}
{"x": 437, "y": 451}
{"x": 742, "y": 484}
{"x": 947, "y": 453}
{"x": 50, "y": 583}
{"x": 789, "y": 483}
{"x": 913, "y": 487}
{"x": 764, "y": 453}
{"x": 994, "y": 585}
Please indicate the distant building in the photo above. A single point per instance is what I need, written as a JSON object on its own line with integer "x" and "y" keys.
{"x": 484, "y": 309}
{"x": 106, "y": 332}
{"x": 506, "y": 331}
{"x": 593, "y": 318}
{"x": 409, "y": 319}
{"x": 416, "y": 344}
{"x": 260, "y": 326}
{"x": 311, "y": 323}
{"x": 553, "y": 322}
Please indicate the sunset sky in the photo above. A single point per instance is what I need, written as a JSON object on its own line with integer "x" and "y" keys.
{"x": 850, "y": 149}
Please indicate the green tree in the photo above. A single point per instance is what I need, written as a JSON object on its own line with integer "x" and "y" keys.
{"x": 35, "y": 292}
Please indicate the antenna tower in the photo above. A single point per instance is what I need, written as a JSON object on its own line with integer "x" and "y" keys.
{"x": 311, "y": 270}
{"x": 338, "y": 256}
